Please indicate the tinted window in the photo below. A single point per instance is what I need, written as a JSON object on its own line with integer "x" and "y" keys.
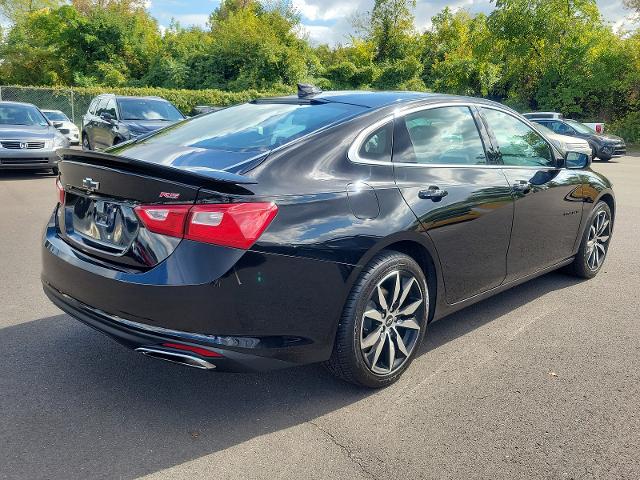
{"x": 445, "y": 135}
{"x": 227, "y": 137}
{"x": 148, "y": 109}
{"x": 21, "y": 115}
{"x": 377, "y": 146}
{"x": 519, "y": 144}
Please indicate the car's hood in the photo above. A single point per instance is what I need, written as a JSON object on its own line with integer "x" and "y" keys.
{"x": 187, "y": 158}
{"x": 17, "y": 132}
{"x": 607, "y": 137}
{"x": 146, "y": 125}
{"x": 69, "y": 125}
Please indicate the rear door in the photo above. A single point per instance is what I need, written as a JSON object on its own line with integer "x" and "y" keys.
{"x": 548, "y": 200}
{"x": 462, "y": 201}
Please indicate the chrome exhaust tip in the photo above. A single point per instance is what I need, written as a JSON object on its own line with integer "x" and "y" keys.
{"x": 176, "y": 357}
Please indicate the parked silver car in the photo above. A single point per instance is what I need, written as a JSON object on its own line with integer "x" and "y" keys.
{"x": 65, "y": 126}
{"x": 27, "y": 138}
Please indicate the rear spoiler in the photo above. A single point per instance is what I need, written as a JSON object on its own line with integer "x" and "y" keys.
{"x": 196, "y": 176}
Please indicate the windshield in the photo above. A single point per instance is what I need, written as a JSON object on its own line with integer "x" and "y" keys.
{"x": 580, "y": 127}
{"x": 21, "y": 115}
{"x": 148, "y": 109}
{"x": 56, "y": 116}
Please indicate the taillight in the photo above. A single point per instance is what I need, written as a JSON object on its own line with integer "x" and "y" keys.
{"x": 166, "y": 220}
{"x": 236, "y": 225}
{"x": 60, "y": 190}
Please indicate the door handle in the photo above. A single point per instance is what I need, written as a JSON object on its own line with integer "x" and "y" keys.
{"x": 521, "y": 186}
{"x": 434, "y": 193}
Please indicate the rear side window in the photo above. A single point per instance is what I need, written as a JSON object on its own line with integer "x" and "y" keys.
{"x": 519, "y": 144}
{"x": 443, "y": 135}
{"x": 377, "y": 146}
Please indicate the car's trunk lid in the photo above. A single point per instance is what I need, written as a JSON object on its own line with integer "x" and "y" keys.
{"x": 102, "y": 191}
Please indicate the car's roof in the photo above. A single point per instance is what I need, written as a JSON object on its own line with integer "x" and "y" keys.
{"x": 145, "y": 97}
{"x": 49, "y": 110}
{"x": 376, "y": 99}
{"x": 17, "y": 104}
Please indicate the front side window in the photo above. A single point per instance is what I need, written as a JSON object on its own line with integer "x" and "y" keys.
{"x": 111, "y": 108}
{"x": 518, "y": 143}
{"x": 377, "y": 146}
{"x": 443, "y": 135}
{"x": 101, "y": 106}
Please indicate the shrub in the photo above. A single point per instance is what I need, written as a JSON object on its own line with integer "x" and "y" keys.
{"x": 627, "y": 127}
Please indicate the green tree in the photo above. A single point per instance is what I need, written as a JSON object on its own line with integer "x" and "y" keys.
{"x": 253, "y": 46}
{"x": 15, "y": 10}
{"x": 390, "y": 27}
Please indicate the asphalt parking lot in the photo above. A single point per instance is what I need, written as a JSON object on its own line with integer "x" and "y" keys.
{"x": 542, "y": 381}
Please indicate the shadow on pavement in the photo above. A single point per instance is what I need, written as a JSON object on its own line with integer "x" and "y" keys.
{"x": 77, "y": 405}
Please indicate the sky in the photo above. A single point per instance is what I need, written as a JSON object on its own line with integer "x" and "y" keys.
{"x": 329, "y": 21}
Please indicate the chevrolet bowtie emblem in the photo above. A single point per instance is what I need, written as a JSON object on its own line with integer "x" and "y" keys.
{"x": 90, "y": 185}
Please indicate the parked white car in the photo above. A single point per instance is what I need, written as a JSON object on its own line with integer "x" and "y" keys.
{"x": 64, "y": 125}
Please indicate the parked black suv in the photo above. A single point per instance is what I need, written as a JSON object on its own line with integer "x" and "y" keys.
{"x": 603, "y": 146}
{"x": 113, "y": 119}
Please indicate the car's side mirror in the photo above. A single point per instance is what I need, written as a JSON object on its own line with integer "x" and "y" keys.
{"x": 577, "y": 160}
{"x": 57, "y": 124}
{"x": 106, "y": 116}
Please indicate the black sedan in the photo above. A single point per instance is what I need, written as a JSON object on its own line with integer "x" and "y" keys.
{"x": 324, "y": 227}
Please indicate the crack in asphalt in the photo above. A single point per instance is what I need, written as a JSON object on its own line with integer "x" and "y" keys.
{"x": 355, "y": 459}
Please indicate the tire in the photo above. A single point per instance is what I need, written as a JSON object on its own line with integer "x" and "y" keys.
{"x": 588, "y": 262}
{"x": 604, "y": 158}
{"x": 399, "y": 331}
{"x": 86, "y": 144}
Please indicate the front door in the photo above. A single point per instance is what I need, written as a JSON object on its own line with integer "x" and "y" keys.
{"x": 548, "y": 200}
{"x": 463, "y": 203}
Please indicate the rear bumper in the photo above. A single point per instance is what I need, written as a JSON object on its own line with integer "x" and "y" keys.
{"x": 23, "y": 159}
{"x": 261, "y": 310}
{"x": 144, "y": 337}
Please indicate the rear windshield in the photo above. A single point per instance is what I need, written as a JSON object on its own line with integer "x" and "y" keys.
{"x": 240, "y": 132}
{"x": 21, "y": 115}
{"x": 148, "y": 109}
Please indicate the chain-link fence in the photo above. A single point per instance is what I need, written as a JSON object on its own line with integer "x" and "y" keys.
{"x": 72, "y": 103}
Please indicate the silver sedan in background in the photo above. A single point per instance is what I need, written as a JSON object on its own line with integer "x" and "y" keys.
{"x": 27, "y": 139}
